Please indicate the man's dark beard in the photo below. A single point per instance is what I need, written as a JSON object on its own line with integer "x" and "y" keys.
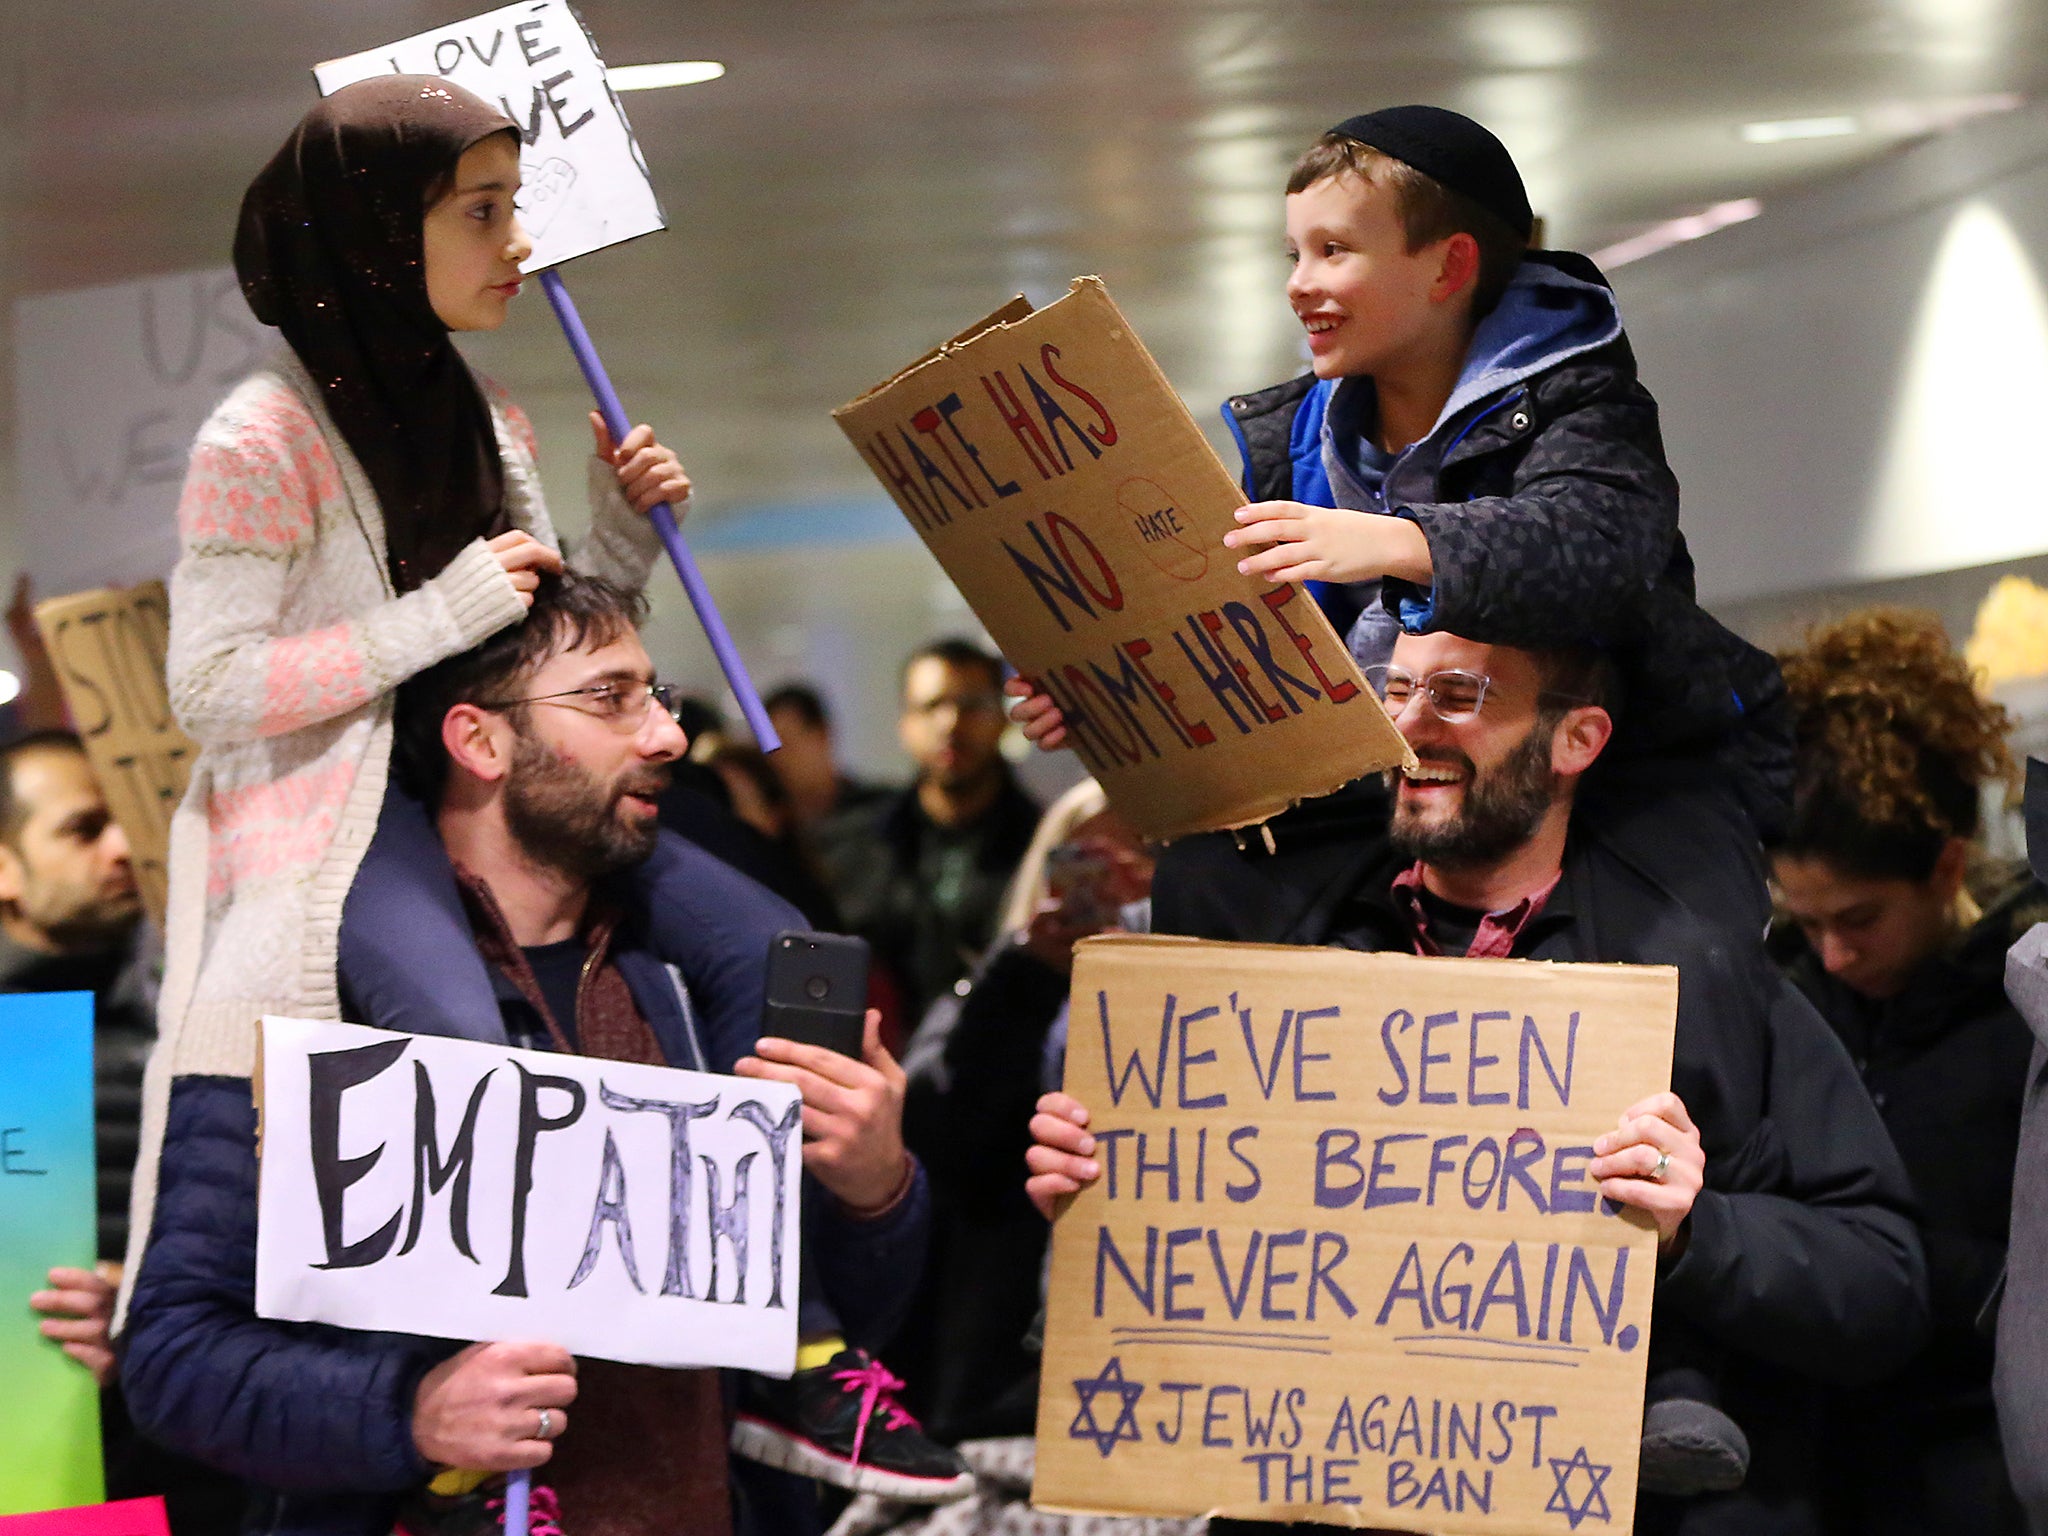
{"x": 564, "y": 819}
{"x": 1501, "y": 808}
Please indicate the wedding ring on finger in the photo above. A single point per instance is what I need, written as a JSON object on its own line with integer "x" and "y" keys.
{"x": 1663, "y": 1166}
{"x": 547, "y": 1425}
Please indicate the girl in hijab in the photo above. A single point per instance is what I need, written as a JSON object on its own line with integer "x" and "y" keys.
{"x": 356, "y": 511}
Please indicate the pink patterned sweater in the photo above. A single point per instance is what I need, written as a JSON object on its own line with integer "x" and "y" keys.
{"x": 286, "y": 644}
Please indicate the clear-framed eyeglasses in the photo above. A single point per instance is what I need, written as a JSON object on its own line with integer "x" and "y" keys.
{"x": 621, "y": 702}
{"x": 1454, "y": 693}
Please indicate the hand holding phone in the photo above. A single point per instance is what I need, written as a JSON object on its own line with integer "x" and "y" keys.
{"x": 817, "y": 992}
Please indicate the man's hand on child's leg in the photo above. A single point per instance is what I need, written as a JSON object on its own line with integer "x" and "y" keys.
{"x": 1059, "y": 1156}
{"x": 1037, "y": 715}
{"x": 1328, "y": 544}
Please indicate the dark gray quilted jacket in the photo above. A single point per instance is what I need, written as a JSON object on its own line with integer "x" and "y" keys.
{"x": 1552, "y": 518}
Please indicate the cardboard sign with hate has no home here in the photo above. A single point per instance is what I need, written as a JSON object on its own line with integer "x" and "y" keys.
{"x": 1345, "y": 1261}
{"x": 1050, "y": 467}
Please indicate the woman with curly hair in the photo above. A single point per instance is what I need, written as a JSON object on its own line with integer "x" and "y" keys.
{"x": 1894, "y": 746}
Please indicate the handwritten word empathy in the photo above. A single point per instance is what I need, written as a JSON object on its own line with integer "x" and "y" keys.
{"x": 546, "y": 1103}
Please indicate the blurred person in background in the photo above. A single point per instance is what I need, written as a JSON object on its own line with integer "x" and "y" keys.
{"x": 976, "y": 1071}
{"x": 1888, "y": 940}
{"x": 723, "y": 798}
{"x": 808, "y": 761}
{"x": 921, "y": 874}
{"x": 71, "y": 920}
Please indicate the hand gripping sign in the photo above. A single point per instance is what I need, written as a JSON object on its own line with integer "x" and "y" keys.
{"x": 1345, "y": 1261}
{"x": 50, "y": 1410}
{"x": 1047, "y": 463}
{"x": 584, "y": 186}
{"x": 419, "y": 1184}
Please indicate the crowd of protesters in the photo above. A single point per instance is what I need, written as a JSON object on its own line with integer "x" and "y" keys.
{"x": 442, "y": 790}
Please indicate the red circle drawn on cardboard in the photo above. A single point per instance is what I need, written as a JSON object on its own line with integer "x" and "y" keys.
{"x": 1141, "y": 501}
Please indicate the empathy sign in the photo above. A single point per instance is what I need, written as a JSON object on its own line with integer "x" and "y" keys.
{"x": 1345, "y": 1260}
{"x": 50, "y": 1408}
{"x": 426, "y": 1185}
{"x": 585, "y": 183}
{"x": 107, "y": 647}
{"x": 1062, "y": 484}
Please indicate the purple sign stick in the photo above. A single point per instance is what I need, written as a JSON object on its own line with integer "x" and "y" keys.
{"x": 664, "y": 520}
{"x": 518, "y": 1490}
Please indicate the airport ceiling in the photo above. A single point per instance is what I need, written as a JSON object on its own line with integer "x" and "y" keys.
{"x": 871, "y": 175}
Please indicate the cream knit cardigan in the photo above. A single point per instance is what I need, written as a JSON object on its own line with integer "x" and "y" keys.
{"x": 286, "y": 643}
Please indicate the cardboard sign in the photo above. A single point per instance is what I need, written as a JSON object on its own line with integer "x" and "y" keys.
{"x": 49, "y": 1216}
{"x": 586, "y": 185}
{"x": 1062, "y": 484}
{"x": 467, "y": 1191}
{"x": 1344, "y": 1262}
{"x": 108, "y": 649}
{"x": 127, "y": 1517}
{"x": 110, "y": 386}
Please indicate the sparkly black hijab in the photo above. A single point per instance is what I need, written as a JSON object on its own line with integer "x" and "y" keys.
{"x": 330, "y": 250}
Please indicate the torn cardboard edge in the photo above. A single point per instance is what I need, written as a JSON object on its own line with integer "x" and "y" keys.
{"x": 1017, "y": 309}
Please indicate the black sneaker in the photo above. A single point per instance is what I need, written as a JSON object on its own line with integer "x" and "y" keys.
{"x": 1690, "y": 1448}
{"x": 480, "y": 1512}
{"x": 840, "y": 1423}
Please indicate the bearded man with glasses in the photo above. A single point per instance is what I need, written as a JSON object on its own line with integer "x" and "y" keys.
{"x": 520, "y": 891}
{"x": 1787, "y": 1255}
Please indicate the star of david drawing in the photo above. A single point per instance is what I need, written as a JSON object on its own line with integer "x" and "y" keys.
{"x": 1594, "y": 1505}
{"x": 1086, "y": 1426}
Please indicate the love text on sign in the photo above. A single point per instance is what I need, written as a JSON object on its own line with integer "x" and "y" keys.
{"x": 585, "y": 183}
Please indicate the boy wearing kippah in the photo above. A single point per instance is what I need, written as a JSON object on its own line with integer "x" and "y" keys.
{"x": 1473, "y": 452}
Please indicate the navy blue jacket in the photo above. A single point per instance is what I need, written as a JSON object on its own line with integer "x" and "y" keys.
{"x": 319, "y": 1419}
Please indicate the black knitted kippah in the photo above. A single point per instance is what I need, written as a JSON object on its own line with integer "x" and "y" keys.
{"x": 1453, "y": 150}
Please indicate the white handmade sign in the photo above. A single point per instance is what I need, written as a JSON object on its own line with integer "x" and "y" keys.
{"x": 586, "y": 184}
{"x": 111, "y": 384}
{"x": 424, "y": 1185}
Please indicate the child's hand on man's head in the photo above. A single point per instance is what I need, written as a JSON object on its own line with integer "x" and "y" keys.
{"x": 1036, "y": 714}
{"x": 1328, "y": 544}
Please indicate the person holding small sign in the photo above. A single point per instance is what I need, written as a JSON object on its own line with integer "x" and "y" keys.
{"x": 1788, "y": 1256}
{"x": 357, "y": 510}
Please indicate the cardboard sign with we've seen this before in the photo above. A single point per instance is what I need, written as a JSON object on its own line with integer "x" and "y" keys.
{"x": 463, "y": 1190}
{"x": 1047, "y": 463}
{"x": 1345, "y": 1261}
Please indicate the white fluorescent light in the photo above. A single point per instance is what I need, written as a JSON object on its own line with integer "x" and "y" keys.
{"x": 1936, "y": 115}
{"x": 1676, "y": 232}
{"x": 10, "y": 687}
{"x": 655, "y": 77}
{"x": 1798, "y": 128}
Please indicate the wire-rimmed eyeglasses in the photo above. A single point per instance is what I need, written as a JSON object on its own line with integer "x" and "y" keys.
{"x": 621, "y": 702}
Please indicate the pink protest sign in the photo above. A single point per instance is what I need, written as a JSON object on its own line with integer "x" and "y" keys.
{"x": 128, "y": 1517}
